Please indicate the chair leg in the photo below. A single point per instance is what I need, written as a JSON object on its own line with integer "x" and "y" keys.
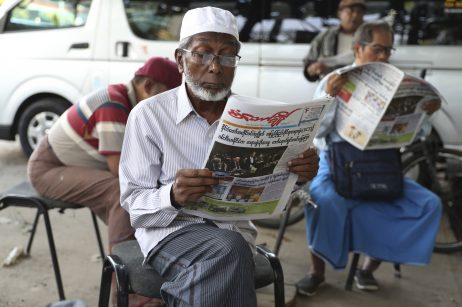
{"x": 98, "y": 236}
{"x": 54, "y": 256}
{"x": 279, "y": 296}
{"x": 351, "y": 273}
{"x": 106, "y": 282}
{"x": 32, "y": 232}
{"x": 112, "y": 264}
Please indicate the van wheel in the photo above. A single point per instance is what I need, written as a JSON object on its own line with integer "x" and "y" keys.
{"x": 37, "y": 119}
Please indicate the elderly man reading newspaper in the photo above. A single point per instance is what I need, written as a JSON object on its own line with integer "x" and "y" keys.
{"x": 206, "y": 262}
{"x": 400, "y": 230}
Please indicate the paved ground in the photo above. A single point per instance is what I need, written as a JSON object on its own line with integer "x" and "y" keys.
{"x": 31, "y": 282}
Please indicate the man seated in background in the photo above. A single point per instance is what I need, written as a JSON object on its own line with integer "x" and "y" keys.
{"x": 401, "y": 230}
{"x": 78, "y": 161}
{"x": 335, "y": 40}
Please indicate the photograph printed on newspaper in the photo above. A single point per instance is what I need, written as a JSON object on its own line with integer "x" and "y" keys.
{"x": 381, "y": 107}
{"x": 252, "y": 145}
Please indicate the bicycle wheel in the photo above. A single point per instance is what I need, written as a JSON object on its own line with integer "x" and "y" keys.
{"x": 440, "y": 171}
{"x": 297, "y": 214}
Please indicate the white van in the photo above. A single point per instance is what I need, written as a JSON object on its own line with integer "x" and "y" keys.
{"x": 54, "y": 51}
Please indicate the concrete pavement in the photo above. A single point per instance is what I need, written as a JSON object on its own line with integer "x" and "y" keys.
{"x": 437, "y": 284}
{"x": 31, "y": 281}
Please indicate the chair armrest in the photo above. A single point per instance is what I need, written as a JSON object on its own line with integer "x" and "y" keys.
{"x": 278, "y": 276}
{"x": 274, "y": 262}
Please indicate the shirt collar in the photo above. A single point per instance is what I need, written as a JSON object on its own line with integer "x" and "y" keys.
{"x": 183, "y": 104}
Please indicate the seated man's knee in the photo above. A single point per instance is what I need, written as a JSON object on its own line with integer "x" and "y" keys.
{"x": 234, "y": 245}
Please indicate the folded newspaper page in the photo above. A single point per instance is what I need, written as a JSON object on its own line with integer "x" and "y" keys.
{"x": 381, "y": 107}
{"x": 251, "y": 147}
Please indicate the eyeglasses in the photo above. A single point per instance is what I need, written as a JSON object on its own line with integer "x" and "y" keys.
{"x": 206, "y": 58}
{"x": 380, "y": 49}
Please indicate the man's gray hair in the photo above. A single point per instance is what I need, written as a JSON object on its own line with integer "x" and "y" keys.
{"x": 184, "y": 43}
{"x": 364, "y": 33}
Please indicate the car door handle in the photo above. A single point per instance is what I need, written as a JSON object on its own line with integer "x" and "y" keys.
{"x": 122, "y": 49}
{"x": 80, "y": 46}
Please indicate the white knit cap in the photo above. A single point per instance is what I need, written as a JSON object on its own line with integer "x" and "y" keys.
{"x": 208, "y": 19}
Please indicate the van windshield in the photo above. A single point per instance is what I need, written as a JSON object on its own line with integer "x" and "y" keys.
{"x": 50, "y": 14}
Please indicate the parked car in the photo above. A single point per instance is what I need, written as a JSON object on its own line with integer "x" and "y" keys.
{"x": 55, "y": 51}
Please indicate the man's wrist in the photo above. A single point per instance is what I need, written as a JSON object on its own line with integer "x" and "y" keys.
{"x": 173, "y": 202}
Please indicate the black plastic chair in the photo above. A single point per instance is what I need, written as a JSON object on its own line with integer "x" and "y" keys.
{"x": 131, "y": 277}
{"x": 24, "y": 195}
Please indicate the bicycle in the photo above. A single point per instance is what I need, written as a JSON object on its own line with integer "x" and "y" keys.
{"x": 297, "y": 213}
{"x": 437, "y": 168}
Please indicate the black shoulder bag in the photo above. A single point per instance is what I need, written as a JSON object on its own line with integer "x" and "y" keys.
{"x": 368, "y": 174}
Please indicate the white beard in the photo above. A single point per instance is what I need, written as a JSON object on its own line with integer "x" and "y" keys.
{"x": 201, "y": 92}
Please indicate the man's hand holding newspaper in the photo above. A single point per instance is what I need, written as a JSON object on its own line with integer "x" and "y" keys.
{"x": 260, "y": 150}
{"x": 380, "y": 106}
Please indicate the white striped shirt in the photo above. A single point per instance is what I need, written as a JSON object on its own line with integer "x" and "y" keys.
{"x": 164, "y": 134}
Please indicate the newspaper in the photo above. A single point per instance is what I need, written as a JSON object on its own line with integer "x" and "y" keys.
{"x": 250, "y": 150}
{"x": 381, "y": 107}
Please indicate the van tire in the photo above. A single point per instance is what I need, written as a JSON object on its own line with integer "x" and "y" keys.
{"x": 37, "y": 119}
